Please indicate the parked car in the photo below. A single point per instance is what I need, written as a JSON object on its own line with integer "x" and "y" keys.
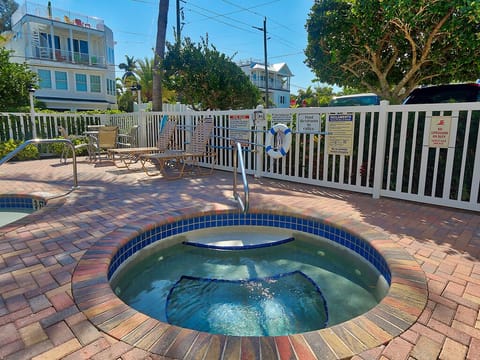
{"x": 451, "y": 93}
{"x": 356, "y": 100}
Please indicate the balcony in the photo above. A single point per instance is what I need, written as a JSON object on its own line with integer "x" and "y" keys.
{"x": 274, "y": 85}
{"x": 72, "y": 57}
{"x": 66, "y": 16}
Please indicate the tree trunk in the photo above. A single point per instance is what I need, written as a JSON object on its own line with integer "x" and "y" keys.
{"x": 159, "y": 55}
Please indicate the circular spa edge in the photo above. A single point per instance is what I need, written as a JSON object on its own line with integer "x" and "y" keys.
{"x": 397, "y": 311}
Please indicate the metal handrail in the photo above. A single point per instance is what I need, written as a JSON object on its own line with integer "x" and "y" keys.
{"x": 238, "y": 157}
{"x": 44, "y": 141}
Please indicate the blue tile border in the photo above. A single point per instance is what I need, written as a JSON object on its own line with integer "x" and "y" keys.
{"x": 306, "y": 225}
{"x": 21, "y": 202}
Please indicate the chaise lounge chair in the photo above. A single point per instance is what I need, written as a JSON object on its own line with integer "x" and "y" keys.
{"x": 128, "y": 156}
{"x": 175, "y": 161}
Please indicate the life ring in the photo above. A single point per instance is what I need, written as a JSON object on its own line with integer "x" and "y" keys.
{"x": 285, "y": 145}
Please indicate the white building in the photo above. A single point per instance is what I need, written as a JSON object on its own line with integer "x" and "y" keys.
{"x": 72, "y": 54}
{"x": 278, "y": 81}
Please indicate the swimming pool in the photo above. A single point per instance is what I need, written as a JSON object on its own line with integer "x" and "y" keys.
{"x": 16, "y": 207}
{"x": 396, "y": 312}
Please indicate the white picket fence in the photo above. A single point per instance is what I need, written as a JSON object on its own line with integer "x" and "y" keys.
{"x": 391, "y": 155}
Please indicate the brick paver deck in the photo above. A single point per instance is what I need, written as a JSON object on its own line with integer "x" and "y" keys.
{"x": 40, "y": 319}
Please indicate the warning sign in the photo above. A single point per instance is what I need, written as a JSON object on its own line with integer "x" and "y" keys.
{"x": 308, "y": 123}
{"x": 281, "y": 118}
{"x": 240, "y": 126}
{"x": 340, "y": 134}
{"x": 440, "y": 131}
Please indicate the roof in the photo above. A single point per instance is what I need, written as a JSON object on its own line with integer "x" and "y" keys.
{"x": 280, "y": 68}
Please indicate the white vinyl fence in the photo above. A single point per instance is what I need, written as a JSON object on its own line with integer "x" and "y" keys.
{"x": 423, "y": 153}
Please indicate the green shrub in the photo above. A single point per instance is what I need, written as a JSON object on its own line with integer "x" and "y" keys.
{"x": 57, "y": 148}
{"x": 29, "y": 153}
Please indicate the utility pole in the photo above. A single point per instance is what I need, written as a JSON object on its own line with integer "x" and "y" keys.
{"x": 264, "y": 29}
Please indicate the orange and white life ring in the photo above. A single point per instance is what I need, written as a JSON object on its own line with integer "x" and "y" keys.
{"x": 285, "y": 143}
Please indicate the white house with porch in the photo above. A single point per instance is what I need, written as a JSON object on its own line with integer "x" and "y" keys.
{"x": 278, "y": 81}
{"x": 72, "y": 54}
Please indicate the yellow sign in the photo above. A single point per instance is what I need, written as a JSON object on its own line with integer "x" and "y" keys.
{"x": 340, "y": 134}
{"x": 440, "y": 131}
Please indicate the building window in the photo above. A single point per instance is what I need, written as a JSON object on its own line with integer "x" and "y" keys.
{"x": 110, "y": 55}
{"x": 61, "y": 80}
{"x": 80, "y": 50}
{"x": 110, "y": 87}
{"x": 95, "y": 85}
{"x": 44, "y": 79}
{"x": 282, "y": 99}
{"x": 81, "y": 82}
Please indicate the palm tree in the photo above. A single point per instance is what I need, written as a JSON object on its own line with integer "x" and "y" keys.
{"x": 159, "y": 54}
{"x": 144, "y": 73}
{"x": 128, "y": 78}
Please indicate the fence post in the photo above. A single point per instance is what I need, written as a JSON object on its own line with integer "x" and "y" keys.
{"x": 260, "y": 122}
{"x": 142, "y": 130}
{"x": 31, "y": 91}
{"x": 380, "y": 149}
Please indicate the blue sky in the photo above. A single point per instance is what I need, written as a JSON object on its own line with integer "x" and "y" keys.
{"x": 229, "y": 24}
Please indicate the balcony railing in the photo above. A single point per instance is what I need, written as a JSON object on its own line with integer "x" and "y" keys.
{"x": 48, "y": 12}
{"x": 272, "y": 85}
{"x": 47, "y": 53}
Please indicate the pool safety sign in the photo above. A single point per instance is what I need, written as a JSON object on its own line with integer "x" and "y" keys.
{"x": 308, "y": 123}
{"x": 440, "y": 131}
{"x": 340, "y": 134}
{"x": 240, "y": 126}
{"x": 280, "y": 118}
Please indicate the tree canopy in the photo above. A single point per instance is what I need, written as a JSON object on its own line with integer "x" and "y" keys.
{"x": 207, "y": 79}
{"x": 320, "y": 96}
{"x": 15, "y": 80}
{"x": 391, "y": 46}
{"x": 7, "y": 8}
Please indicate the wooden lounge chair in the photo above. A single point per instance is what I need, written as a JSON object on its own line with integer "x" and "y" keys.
{"x": 172, "y": 163}
{"x": 128, "y": 156}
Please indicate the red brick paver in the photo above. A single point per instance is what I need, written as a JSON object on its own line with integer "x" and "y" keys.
{"x": 38, "y": 316}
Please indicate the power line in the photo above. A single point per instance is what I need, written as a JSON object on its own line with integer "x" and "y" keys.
{"x": 218, "y": 15}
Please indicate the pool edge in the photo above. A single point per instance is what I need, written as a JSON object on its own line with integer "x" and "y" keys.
{"x": 397, "y": 312}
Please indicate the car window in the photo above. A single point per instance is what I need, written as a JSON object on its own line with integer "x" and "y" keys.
{"x": 361, "y": 100}
{"x": 444, "y": 94}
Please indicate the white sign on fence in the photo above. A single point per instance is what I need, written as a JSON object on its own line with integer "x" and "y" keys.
{"x": 280, "y": 118}
{"x": 440, "y": 131}
{"x": 308, "y": 123}
{"x": 340, "y": 134}
{"x": 240, "y": 126}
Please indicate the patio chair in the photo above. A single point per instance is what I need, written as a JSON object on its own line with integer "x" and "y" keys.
{"x": 106, "y": 139}
{"x": 131, "y": 155}
{"x": 176, "y": 160}
{"x": 130, "y": 139}
{"x": 65, "y": 149}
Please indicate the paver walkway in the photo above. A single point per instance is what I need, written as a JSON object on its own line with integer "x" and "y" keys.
{"x": 40, "y": 320}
